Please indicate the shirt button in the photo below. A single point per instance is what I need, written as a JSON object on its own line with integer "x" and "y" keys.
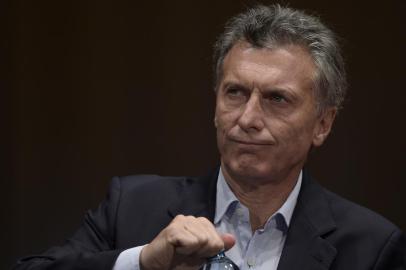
{"x": 251, "y": 262}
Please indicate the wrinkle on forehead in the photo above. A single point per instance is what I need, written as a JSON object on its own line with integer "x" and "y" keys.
{"x": 274, "y": 68}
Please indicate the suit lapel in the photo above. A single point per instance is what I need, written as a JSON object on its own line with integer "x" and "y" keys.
{"x": 305, "y": 248}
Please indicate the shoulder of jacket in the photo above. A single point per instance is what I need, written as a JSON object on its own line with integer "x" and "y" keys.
{"x": 360, "y": 218}
{"x": 147, "y": 182}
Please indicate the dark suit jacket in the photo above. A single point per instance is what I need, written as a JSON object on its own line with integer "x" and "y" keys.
{"x": 326, "y": 231}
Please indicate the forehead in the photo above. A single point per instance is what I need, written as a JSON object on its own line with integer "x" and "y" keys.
{"x": 288, "y": 66}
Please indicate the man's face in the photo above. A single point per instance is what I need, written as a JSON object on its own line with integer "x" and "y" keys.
{"x": 266, "y": 112}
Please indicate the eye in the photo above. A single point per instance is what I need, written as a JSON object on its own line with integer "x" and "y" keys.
{"x": 235, "y": 95}
{"x": 233, "y": 91}
{"x": 277, "y": 98}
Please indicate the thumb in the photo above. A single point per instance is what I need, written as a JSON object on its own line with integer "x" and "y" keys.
{"x": 229, "y": 240}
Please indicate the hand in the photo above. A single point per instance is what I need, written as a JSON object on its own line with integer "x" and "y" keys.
{"x": 184, "y": 244}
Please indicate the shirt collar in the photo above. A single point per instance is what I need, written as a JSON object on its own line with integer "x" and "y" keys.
{"x": 225, "y": 198}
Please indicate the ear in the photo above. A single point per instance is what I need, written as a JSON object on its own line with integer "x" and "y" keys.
{"x": 215, "y": 121}
{"x": 323, "y": 126}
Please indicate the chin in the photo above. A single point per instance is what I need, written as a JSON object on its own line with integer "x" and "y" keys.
{"x": 249, "y": 169}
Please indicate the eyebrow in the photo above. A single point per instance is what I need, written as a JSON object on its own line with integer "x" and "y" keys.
{"x": 265, "y": 91}
{"x": 232, "y": 83}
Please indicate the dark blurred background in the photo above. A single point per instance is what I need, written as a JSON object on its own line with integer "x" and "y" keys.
{"x": 93, "y": 89}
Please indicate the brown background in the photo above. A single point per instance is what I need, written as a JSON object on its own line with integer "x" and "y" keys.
{"x": 93, "y": 89}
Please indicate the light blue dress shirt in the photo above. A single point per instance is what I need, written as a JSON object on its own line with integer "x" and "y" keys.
{"x": 257, "y": 250}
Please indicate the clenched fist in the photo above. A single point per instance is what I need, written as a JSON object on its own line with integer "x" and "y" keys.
{"x": 184, "y": 244}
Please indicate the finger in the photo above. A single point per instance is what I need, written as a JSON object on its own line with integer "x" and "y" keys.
{"x": 208, "y": 242}
{"x": 196, "y": 236}
{"x": 183, "y": 236}
{"x": 229, "y": 240}
{"x": 187, "y": 234}
{"x": 184, "y": 241}
{"x": 214, "y": 242}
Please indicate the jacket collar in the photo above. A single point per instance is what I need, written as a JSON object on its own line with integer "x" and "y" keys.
{"x": 305, "y": 246}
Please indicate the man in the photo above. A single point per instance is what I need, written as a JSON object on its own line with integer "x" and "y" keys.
{"x": 280, "y": 81}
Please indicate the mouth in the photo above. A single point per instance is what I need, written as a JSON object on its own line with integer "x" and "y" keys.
{"x": 250, "y": 142}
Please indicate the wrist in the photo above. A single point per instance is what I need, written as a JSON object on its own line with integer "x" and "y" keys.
{"x": 146, "y": 262}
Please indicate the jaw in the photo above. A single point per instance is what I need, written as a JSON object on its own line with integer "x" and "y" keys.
{"x": 262, "y": 167}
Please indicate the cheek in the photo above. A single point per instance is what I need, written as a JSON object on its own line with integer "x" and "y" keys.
{"x": 222, "y": 129}
{"x": 292, "y": 132}
{"x": 225, "y": 119}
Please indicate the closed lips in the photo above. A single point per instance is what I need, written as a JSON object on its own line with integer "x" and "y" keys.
{"x": 250, "y": 142}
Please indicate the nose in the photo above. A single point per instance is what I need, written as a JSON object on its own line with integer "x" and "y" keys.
{"x": 251, "y": 119}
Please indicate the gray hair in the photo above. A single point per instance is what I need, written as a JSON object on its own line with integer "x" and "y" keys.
{"x": 272, "y": 26}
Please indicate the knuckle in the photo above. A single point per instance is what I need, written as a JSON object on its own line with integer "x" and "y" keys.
{"x": 171, "y": 239}
{"x": 179, "y": 217}
{"x": 171, "y": 228}
{"x": 203, "y": 239}
{"x": 190, "y": 218}
{"x": 203, "y": 220}
{"x": 171, "y": 235}
{"x": 195, "y": 242}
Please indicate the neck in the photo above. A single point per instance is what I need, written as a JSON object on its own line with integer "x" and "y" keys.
{"x": 262, "y": 198}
